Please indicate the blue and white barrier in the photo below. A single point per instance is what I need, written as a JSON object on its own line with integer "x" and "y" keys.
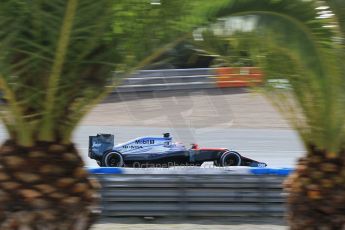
{"x": 194, "y": 170}
{"x": 106, "y": 170}
{"x": 271, "y": 171}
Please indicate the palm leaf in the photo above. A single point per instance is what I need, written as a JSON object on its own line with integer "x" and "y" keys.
{"x": 52, "y": 46}
{"x": 293, "y": 28}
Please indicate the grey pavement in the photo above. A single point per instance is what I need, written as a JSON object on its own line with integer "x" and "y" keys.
{"x": 196, "y": 109}
{"x": 188, "y": 227}
{"x": 276, "y": 147}
{"x": 235, "y": 119}
{"x": 187, "y": 224}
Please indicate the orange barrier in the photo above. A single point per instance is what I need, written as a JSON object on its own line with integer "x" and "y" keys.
{"x": 238, "y": 77}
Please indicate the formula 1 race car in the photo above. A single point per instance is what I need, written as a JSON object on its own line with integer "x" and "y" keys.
{"x": 153, "y": 151}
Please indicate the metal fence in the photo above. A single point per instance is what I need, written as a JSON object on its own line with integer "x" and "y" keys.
{"x": 192, "y": 195}
{"x": 184, "y": 79}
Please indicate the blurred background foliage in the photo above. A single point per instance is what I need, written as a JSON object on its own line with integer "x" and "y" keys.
{"x": 143, "y": 26}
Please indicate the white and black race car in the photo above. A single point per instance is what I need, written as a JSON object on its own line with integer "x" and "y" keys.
{"x": 160, "y": 151}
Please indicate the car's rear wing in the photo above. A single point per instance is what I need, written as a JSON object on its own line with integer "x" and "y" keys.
{"x": 99, "y": 144}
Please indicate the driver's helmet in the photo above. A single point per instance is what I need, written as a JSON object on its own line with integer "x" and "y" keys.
{"x": 178, "y": 145}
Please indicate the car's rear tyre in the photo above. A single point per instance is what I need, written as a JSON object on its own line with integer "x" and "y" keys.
{"x": 230, "y": 158}
{"x": 112, "y": 159}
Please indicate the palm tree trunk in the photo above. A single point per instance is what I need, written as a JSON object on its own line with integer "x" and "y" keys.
{"x": 44, "y": 187}
{"x": 317, "y": 192}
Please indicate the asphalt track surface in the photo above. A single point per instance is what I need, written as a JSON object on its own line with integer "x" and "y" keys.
{"x": 234, "y": 119}
{"x": 278, "y": 148}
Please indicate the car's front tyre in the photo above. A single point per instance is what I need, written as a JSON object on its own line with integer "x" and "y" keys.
{"x": 112, "y": 159}
{"x": 230, "y": 158}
